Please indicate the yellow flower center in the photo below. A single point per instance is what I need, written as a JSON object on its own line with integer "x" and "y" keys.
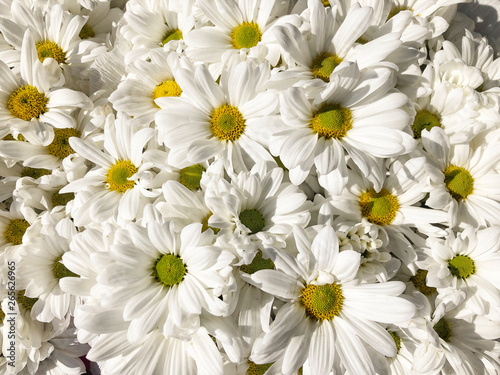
{"x": 174, "y": 34}
{"x": 459, "y": 182}
{"x": 379, "y": 208}
{"x": 443, "y": 329}
{"x": 169, "y": 270}
{"x": 227, "y": 123}
{"x": 60, "y": 147}
{"x": 396, "y": 9}
{"x": 258, "y": 263}
{"x": 424, "y": 120}
{"x": 59, "y": 270}
{"x": 326, "y": 3}
{"x": 397, "y": 340}
{"x": 419, "y": 282}
{"x": 24, "y": 301}
{"x": 190, "y": 176}
{"x": 253, "y": 220}
{"x": 27, "y": 103}
{"x": 118, "y": 176}
{"x": 255, "y": 369}
{"x": 462, "y": 266}
{"x": 324, "y": 64}
{"x": 2, "y": 316}
{"x": 34, "y": 172}
{"x": 322, "y": 301}
{"x": 246, "y": 35}
{"x": 47, "y": 49}
{"x": 332, "y": 121}
{"x": 59, "y": 199}
{"x": 15, "y": 230}
{"x": 86, "y": 32}
{"x": 166, "y": 88}
{"x": 205, "y": 225}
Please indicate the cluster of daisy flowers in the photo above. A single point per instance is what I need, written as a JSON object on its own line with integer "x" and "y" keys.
{"x": 229, "y": 187}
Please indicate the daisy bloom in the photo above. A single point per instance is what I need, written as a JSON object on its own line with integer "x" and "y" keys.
{"x": 165, "y": 279}
{"x": 114, "y": 181}
{"x": 218, "y": 120}
{"x": 325, "y": 307}
{"x": 357, "y": 112}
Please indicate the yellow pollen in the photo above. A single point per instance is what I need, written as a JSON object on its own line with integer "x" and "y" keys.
{"x": 86, "y": 32}
{"x": 424, "y": 120}
{"x": 324, "y": 64}
{"x": 118, "y": 176}
{"x": 443, "y": 329}
{"x": 24, "y": 301}
{"x": 326, "y": 3}
{"x": 459, "y": 182}
{"x": 227, "y": 123}
{"x": 166, "y": 88}
{"x": 59, "y": 270}
{"x": 27, "y": 103}
{"x": 15, "y": 230}
{"x": 205, "y": 226}
{"x": 397, "y": 340}
{"x": 322, "y": 302}
{"x": 258, "y": 263}
{"x": 34, "y": 172}
{"x": 462, "y": 266}
{"x": 255, "y": 369}
{"x": 47, "y": 49}
{"x": 246, "y": 35}
{"x": 419, "y": 282}
{"x": 175, "y": 34}
{"x": 60, "y": 147}
{"x": 332, "y": 121}
{"x": 379, "y": 208}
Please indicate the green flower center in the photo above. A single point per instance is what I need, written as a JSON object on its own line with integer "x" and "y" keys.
{"x": 462, "y": 266}
{"x": 60, "y": 147}
{"x": 397, "y": 340}
{"x": 24, "y": 301}
{"x": 395, "y": 10}
{"x": 443, "y": 329}
{"x": 59, "y": 270}
{"x": 326, "y": 3}
{"x": 15, "y": 230}
{"x": 459, "y": 182}
{"x": 174, "y": 34}
{"x": 190, "y": 176}
{"x": 255, "y": 369}
{"x": 322, "y": 301}
{"x": 34, "y": 172}
{"x": 118, "y": 176}
{"x": 47, "y": 49}
{"x": 205, "y": 225}
{"x": 332, "y": 121}
{"x": 86, "y": 32}
{"x": 324, "y": 64}
{"x": 166, "y": 88}
{"x": 227, "y": 123}
{"x": 169, "y": 270}
{"x": 424, "y": 120}
{"x": 59, "y": 199}
{"x": 246, "y": 35}
{"x": 258, "y": 263}
{"x": 419, "y": 282}
{"x": 379, "y": 208}
{"x": 27, "y": 103}
{"x": 253, "y": 220}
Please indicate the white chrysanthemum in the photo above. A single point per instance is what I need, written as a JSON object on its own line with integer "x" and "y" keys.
{"x": 31, "y": 105}
{"x": 117, "y": 190}
{"x": 238, "y": 26}
{"x": 327, "y": 41}
{"x": 356, "y": 112}
{"x": 257, "y": 207}
{"x": 218, "y": 120}
{"x": 326, "y": 314}
{"x": 466, "y": 180}
{"x": 468, "y": 261}
{"x": 145, "y": 82}
{"x": 164, "y": 279}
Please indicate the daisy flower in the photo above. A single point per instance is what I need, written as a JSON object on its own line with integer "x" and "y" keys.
{"x": 238, "y": 26}
{"x": 326, "y": 314}
{"x": 33, "y": 106}
{"x": 41, "y": 257}
{"x": 164, "y": 280}
{"x": 467, "y": 261}
{"x": 357, "y": 112}
{"x": 218, "y": 120}
{"x": 114, "y": 183}
{"x": 465, "y": 179}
